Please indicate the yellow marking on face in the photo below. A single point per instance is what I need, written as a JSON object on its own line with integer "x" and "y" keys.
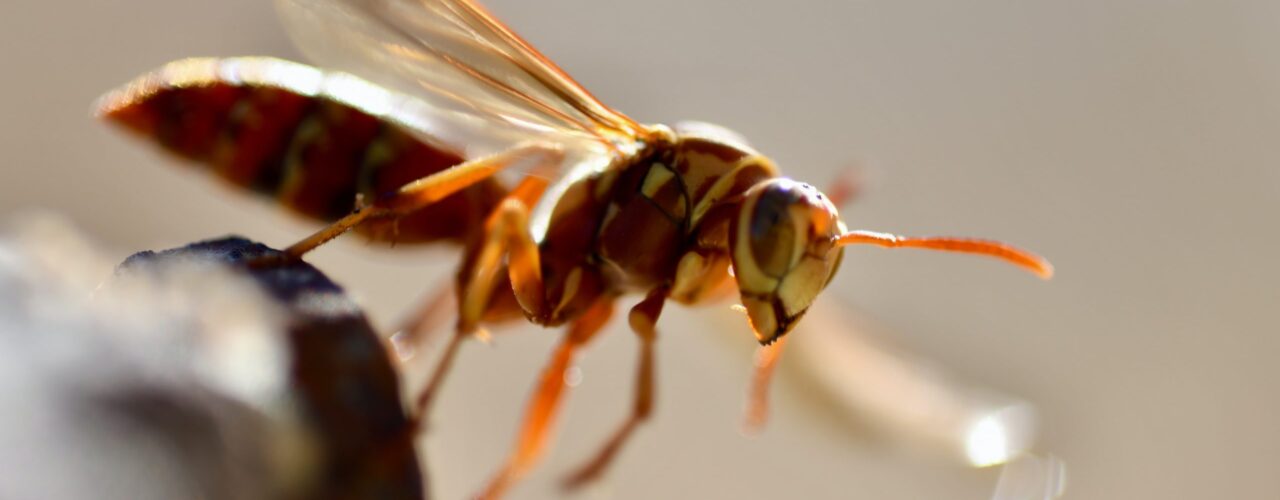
{"x": 760, "y": 315}
{"x": 782, "y": 253}
{"x": 797, "y": 291}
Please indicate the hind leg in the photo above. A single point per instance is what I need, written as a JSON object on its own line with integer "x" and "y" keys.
{"x": 643, "y": 318}
{"x": 430, "y": 189}
{"x": 506, "y": 234}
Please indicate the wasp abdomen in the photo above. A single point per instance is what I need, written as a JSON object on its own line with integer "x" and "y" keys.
{"x": 311, "y": 150}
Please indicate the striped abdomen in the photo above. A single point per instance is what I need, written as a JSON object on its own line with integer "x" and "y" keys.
{"x": 300, "y": 135}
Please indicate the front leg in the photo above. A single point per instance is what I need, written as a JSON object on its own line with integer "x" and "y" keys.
{"x": 758, "y": 395}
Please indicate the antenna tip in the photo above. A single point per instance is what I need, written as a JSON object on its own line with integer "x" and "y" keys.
{"x": 1044, "y": 270}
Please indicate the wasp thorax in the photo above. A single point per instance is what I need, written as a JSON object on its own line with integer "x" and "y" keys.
{"x": 783, "y": 253}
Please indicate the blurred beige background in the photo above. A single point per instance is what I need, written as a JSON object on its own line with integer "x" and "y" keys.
{"x": 1133, "y": 142}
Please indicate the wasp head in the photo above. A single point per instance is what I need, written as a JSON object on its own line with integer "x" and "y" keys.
{"x": 782, "y": 246}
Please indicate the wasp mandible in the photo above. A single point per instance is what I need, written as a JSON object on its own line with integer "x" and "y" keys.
{"x": 447, "y": 98}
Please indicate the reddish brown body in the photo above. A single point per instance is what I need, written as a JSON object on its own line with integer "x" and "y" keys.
{"x": 621, "y": 230}
{"x": 632, "y": 226}
{"x": 627, "y": 229}
{"x": 650, "y": 209}
{"x": 315, "y": 155}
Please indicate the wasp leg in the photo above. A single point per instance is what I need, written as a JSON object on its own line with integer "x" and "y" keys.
{"x": 543, "y": 408}
{"x": 758, "y": 395}
{"x": 418, "y": 328}
{"x": 507, "y": 234}
{"x": 506, "y": 230}
{"x": 430, "y": 189}
{"x": 846, "y": 187}
{"x": 643, "y": 317}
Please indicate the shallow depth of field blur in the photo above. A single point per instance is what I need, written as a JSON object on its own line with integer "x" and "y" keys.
{"x": 1133, "y": 143}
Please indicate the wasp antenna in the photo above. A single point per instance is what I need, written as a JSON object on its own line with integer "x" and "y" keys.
{"x": 846, "y": 187}
{"x": 1008, "y": 253}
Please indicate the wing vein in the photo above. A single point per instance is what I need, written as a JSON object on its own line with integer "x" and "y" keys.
{"x": 487, "y": 79}
{"x": 584, "y": 102}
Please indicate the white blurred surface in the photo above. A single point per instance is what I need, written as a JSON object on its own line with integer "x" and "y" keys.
{"x": 1132, "y": 142}
{"x": 172, "y": 384}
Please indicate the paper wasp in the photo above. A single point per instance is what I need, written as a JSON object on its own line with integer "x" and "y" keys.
{"x": 604, "y": 206}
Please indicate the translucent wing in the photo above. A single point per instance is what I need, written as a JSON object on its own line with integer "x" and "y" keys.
{"x": 1031, "y": 477}
{"x": 454, "y": 54}
{"x": 847, "y": 369}
{"x": 903, "y": 395}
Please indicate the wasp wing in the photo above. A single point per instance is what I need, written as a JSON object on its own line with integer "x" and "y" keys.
{"x": 454, "y": 54}
{"x": 843, "y": 354}
{"x": 849, "y": 368}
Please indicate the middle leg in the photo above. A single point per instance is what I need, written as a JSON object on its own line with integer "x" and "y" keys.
{"x": 544, "y": 407}
{"x": 643, "y": 318}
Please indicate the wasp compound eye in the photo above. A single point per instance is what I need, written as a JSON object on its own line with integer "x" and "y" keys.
{"x": 773, "y": 230}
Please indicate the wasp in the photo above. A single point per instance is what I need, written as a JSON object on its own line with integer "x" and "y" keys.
{"x": 458, "y": 130}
